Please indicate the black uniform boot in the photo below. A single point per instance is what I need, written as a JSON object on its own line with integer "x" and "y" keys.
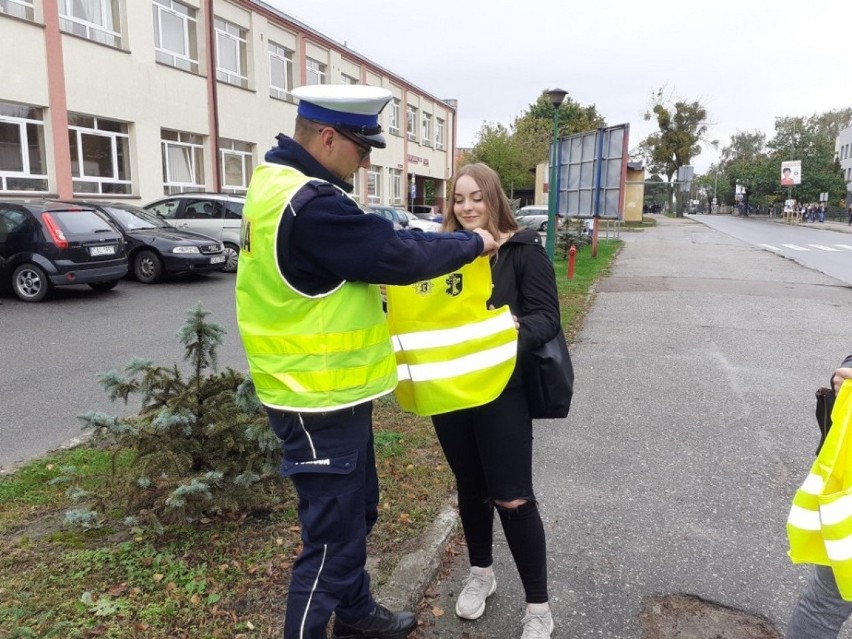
{"x": 379, "y": 624}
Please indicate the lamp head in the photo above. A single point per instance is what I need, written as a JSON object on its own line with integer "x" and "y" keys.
{"x": 556, "y": 97}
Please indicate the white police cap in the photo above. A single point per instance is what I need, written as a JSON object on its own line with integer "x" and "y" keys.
{"x": 353, "y": 108}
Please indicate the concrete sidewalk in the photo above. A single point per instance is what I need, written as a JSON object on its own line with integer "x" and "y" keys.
{"x": 691, "y": 428}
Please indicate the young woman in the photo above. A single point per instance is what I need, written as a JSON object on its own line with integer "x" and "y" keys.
{"x": 489, "y": 448}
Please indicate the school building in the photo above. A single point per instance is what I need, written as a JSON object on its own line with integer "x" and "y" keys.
{"x": 133, "y": 99}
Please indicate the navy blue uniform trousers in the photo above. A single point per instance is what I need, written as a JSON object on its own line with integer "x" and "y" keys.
{"x": 331, "y": 461}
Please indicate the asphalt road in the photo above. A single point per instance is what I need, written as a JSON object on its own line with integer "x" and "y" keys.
{"x": 51, "y": 352}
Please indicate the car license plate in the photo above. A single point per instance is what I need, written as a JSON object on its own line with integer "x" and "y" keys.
{"x": 217, "y": 259}
{"x": 101, "y": 250}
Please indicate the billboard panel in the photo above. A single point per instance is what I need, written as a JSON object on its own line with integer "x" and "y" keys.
{"x": 592, "y": 172}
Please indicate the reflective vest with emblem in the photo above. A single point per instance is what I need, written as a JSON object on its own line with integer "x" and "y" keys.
{"x": 305, "y": 353}
{"x": 819, "y": 526}
{"x": 452, "y": 352}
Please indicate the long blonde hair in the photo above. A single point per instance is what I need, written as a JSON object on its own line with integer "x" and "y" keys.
{"x": 500, "y": 218}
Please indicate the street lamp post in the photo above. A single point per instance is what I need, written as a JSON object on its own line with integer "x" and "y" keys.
{"x": 556, "y": 97}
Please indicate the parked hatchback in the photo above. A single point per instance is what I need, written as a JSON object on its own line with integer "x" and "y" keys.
{"x": 218, "y": 215}
{"x": 156, "y": 248}
{"x": 45, "y": 244}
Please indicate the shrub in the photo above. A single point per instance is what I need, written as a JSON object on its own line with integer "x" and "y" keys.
{"x": 200, "y": 444}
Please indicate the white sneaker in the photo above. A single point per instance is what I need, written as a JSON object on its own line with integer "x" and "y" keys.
{"x": 476, "y": 588}
{"x": 537, "y": 626}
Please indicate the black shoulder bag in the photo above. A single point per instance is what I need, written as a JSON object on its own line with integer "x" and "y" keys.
{"x": 547, "y": 373}
{"x": 824, "y": 405}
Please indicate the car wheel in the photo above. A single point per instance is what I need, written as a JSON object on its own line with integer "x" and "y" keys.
{"x": 107, "y": 285}
{"x": 232, "y": 256}
{"x": 543, "y": 227}
{"x": 30, "y": 283}
{"x": 147, "y": 267}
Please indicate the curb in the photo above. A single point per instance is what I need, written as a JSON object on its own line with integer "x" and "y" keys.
{"x": 415, "y": 571}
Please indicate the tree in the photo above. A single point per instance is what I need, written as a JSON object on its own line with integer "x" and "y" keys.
{"x": 514, "y": 152}
{"x": 682, "y": 125}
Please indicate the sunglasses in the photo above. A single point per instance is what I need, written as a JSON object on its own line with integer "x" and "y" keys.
{"x": 364, "y": 151}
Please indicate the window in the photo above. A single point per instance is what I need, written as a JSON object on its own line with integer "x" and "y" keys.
{"x": 396, "y": 186}
{"x": 183, "y": 162}
{"x": 427, "y": 129}
{"x": 175, "y": 35}
{"x": 412, "y": 123}
{"x": 393, "y": 127}
{"x": 356, "y": 185}
{"x": 439, "y": 134}
{"x": 374, "y": 185}
{"x": 18, "y": 8}
{"x": 22, "y": 148}
{"x": 316, "y": 71}
{"x": 96, "y": 20}
{"x": 280, "y": 71}
{"x": 347, "y": 79}
{"x": 100, "y": 155}
{"x": 231, "y": 55}
{"x": 236, "y": 165}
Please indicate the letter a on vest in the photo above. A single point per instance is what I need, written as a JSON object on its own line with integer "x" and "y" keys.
{"x": 819, "y": 526}
{"x": 452, "y": 352}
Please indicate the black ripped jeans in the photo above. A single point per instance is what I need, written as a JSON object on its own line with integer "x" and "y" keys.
{"x": 489, "y": 449}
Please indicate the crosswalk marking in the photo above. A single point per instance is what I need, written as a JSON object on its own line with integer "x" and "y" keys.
{"x": 796, "y": 247}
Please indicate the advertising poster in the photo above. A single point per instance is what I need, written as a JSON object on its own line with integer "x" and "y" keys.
{"x": 791, "y": 173}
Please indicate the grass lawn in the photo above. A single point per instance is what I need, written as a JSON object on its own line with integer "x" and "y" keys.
{"x": 219, "y": 577}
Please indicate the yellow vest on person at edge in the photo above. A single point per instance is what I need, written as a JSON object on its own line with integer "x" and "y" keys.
{"x": 452, "y": 352}
{"x": 305, "y": 353}
{"x": 819, "y": 526}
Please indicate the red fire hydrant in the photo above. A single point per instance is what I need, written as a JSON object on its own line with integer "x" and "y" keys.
{"x": 571, "y": 253}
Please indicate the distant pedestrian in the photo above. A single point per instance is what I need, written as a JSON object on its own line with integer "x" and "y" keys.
{"x": 849, "y": 222}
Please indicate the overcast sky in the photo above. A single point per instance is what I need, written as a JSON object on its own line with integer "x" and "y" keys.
{"x": 746, "y": 61}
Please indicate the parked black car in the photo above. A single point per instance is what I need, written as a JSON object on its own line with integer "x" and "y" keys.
{"x": 155, "y": 247}
{"x": 45, "y": 244}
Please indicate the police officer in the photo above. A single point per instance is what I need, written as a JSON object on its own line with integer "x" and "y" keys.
{"x": 310, "y": 316}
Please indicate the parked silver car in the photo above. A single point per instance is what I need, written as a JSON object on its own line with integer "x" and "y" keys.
{"x": 218, "y": 215}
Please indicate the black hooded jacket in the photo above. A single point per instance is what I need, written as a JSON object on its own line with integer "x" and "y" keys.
{"x": 523, "y": 278}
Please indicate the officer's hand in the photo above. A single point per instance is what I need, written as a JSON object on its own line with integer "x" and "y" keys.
{"x": 488, "y": 240}
{"x": 841, "y": 375}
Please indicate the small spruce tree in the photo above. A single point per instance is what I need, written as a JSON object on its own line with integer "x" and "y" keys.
{"x": 200, "y": 444}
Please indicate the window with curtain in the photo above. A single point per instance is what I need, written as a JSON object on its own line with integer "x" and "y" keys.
{"x": 315, "y": 71}
{"x": 393, "y": 127}
{"x": 280, "y": 71}
{"x": 100, "y": 155}
{"x": 23, "y": 165}
{"x": 18, "y": 8}
{"x": 439, "y": 134}
{"x": 183, "y": 162}
{"x": 374, "y": 184}
{"x": 96, "y": 20}
{"x": 176, "y": 35}
{"x": 236, "y": 161}
{"x": 231, "y": 53}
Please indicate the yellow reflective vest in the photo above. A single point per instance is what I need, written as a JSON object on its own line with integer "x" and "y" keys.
{"x": 305, "y": 353}
{"x": 452, "y": 352}
{"x": 819, "y": 527}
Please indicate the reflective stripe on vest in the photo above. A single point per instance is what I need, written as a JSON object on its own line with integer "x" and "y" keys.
{"x": 819, "y": 526}
{"x": 452, "y": 351}
{"x": 305, "y": 353}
